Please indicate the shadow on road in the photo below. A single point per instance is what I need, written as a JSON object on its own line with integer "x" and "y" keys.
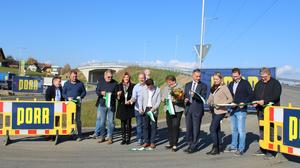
{"x": 250, "y": 138}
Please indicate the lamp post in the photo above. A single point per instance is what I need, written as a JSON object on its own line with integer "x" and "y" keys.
{"x": 203, "y": 23}
{"x": 201, "y": 34}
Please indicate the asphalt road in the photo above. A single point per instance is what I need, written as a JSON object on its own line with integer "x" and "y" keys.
{"x": 38, "y": 153}
{"x": 35, "y": 152}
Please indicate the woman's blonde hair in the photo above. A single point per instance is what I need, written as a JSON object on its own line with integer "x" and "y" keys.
{"x": 219, "y": 75}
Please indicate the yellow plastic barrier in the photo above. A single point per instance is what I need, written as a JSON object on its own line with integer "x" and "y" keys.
{"x": 284, "y": 122}
{"x": 37, "y": 118}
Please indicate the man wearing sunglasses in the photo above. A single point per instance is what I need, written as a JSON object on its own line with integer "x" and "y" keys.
{"x": 267, "y": 90}
{"x": 105, "y": 112}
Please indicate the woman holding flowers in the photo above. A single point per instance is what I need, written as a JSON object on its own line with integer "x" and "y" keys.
{"x": 173, "y": 98}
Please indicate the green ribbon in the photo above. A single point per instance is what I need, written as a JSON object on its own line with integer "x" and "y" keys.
{"x": 150, "y": 114}
{"x": 250, "y": 103}
{"x": 203, "y": 100}
{"x": 170, "y": 106}
{"x": 107, "y": 99}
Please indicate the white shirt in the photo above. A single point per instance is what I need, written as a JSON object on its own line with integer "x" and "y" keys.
{"x": 194, "y": 86}
{"x": 235, "y": 85}
{"x": 57, "y": 95}
{"x": 150, "y": 94}
{"x": 136, "y": 94}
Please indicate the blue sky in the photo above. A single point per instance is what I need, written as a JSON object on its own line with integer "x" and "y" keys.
{"x": 247, "y": 33}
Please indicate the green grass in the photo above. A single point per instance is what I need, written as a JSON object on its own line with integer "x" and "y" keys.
{"x": 16, "y": 71}
{"x": 157, "y": 74}
{"x": 89, "y": 114}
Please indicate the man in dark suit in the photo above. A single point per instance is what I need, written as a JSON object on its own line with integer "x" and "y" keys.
{"x": 195, "y": 93}
{"x": 54, "y": 92}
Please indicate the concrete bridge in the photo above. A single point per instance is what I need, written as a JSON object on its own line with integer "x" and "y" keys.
{"x": 94, "y": 71}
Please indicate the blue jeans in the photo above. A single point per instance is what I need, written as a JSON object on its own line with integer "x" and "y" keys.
{"x": 98, "y": 121}
{"x": 104, "y": 114}
{"x": 139, "y": 125}
{"x": 238, "y": 120}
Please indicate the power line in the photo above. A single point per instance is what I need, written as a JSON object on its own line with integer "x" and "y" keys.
{"x": 232, "y": 20}
{"x": 214, "y": 15}
{"x": 254, "y": 22}
{"x": 217, "y": 8}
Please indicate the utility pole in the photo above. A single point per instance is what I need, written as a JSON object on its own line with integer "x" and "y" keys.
{"x": 202, "y": 33}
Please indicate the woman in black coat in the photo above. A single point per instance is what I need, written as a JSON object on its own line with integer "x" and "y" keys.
{"x": 125, "y": 110}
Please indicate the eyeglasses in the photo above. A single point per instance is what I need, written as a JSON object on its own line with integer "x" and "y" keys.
{"x": 263, "y": 76}
{"x": 109, "y": 76}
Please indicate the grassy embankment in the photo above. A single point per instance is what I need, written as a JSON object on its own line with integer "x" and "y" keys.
{"x": 89, "y": 109}
{"x": 16, "y": 71}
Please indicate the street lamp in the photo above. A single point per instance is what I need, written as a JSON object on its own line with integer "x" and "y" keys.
{"x": 201, "y": 34}
{"x": 202, "y": 49}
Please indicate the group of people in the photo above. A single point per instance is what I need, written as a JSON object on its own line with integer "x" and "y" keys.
{"x": 73, "y": 90}
{"x": 235, "y": 100}
{"x": 142, "y": 101}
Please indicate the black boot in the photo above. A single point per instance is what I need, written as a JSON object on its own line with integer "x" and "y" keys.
{"x": 216, "y": 150}
{"x": 128, "y": 137}
{"x": 212, "y": 149}
{"x": 123, "y": 142}
{"x": 128, "y": 133}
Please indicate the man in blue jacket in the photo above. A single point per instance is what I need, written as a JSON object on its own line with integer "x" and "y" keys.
{"x": 242, "y": 93}
{"x": 74, "y": 90}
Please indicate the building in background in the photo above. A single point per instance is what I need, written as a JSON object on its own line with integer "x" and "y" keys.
{"x": 55, "y": 70}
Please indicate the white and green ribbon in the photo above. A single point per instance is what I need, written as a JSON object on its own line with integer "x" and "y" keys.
{"x": 170, "y": 106}
{"x": 150, "y": 114}
{"x": 107, "y": 99}
{"x": 203, "y": 100}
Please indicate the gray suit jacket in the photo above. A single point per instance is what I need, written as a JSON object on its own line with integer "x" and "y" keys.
{"x": 156, "y": 98}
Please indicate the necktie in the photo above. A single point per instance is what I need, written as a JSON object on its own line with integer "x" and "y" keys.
{"x": 194, "y": 86}
{"x": 57, "y": 95}
{"x": 193, "y": 89}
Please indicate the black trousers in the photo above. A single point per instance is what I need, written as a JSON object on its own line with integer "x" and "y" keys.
{"x": 126, "y": 129}
{"x": 149, "y": 128}
{"x": 215, "y": 128}
{"x": 173, "y": 123}
{"x": 193, "y": 119}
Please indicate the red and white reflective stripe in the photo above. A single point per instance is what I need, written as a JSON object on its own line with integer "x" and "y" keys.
{"x": 295, "y": 151}
{"x": 60, "y": 107}
{"x": 271, "y": 146}
{"x": 6, "y": 107}
{"x": 32, "y": 132}
{"x": 276, "y": 114}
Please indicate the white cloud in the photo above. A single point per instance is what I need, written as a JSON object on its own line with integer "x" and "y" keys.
{"x": 156, "y": 63}
{"x": 171, "y": 63}
{"x": 182, "y": 64}
{"x": 288, "y": 71}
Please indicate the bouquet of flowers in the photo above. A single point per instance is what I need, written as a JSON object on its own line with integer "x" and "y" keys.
{"x": 178, "y": 94}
